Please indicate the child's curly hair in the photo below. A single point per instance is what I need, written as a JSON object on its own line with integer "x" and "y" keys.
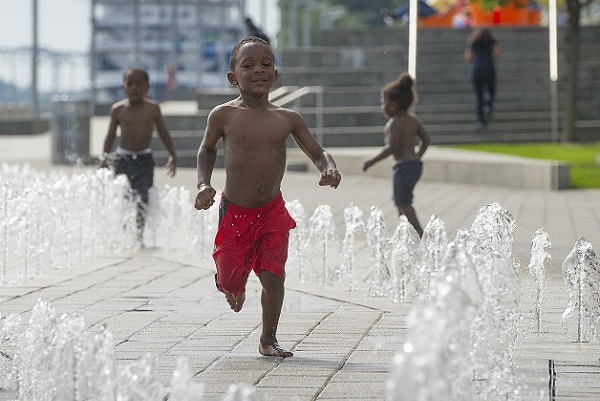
{"x": 400, "y": 91}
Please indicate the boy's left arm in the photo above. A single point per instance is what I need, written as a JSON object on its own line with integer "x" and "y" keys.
{"x": 330, "y": 176}
{"x": 320, "y": 157}
{"x": 425, "y": 140}
{"x": 165, "y": 137}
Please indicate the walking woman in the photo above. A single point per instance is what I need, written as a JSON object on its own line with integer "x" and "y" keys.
{"x": 482, "y": 51}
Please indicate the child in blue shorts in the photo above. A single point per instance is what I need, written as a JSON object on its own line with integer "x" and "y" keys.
{"x": 402, "y": 131}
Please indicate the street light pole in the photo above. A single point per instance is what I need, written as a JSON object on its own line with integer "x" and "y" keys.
{"x": 413, "y": 24}
{"x": 93, "y": 59}
{"x": 35, "y": 112}
{"x": 553, "y": 51}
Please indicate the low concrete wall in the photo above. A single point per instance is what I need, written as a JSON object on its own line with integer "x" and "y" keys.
{"x": 23, "y": 126}
{"x": 496, "y": 170}
{"x": 459, "y": 166}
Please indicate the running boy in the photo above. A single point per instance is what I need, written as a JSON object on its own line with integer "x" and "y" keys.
{"x": 138, "y": 117}
{"x": 402, "y": 132}
{"x": 254, "y": 223}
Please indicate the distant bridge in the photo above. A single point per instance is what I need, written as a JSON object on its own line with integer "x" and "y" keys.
{"x": 58, "y": 71}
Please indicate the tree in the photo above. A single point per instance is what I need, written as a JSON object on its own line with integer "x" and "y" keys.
{"x": 490, "y": 4}
{"x": 365, "y": 13}
{"x": 356, "y": 14}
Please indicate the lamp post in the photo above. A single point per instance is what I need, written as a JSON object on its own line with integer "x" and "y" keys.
{"x": 413, "y": 18}
{"x": 35, "y": 108}
{"x": 553, "y": 52}
{"x": 93, "y": 59}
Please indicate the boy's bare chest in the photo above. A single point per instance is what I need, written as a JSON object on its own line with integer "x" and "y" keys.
{"x": 264, "y": 127}
{"x": 141, "y": 120}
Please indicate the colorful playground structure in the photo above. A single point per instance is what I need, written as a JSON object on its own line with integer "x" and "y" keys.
{"x": 467, "y": 13}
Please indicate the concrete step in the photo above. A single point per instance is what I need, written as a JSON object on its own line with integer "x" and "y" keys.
{"x": 350, "y": 57}
{"x": 183, "y": 122}
{"x": 530, "y": 95}
{"x": 433, "y": 37}
{"x": 329, "y": 76}
{"x": 394, "y": 56}
{"x": 207, "y": 98}
{"x": 526, "y": 75}
{"x": 372, "y": 115}
{"x": 346, "y": 96}
{"x": 181, "y": 140}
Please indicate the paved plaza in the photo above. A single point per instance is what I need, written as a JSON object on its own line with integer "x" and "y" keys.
{"x": 165, "y": 303}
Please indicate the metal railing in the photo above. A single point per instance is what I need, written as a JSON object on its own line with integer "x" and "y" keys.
{"x": 282, "y": 96}
{"x": 281, "y": 91}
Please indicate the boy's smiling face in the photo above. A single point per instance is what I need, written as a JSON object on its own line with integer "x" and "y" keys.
{"x": 254, "y": 70}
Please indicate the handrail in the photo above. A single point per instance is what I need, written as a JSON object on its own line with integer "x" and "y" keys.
{"x": 281, "y": 91}
{"x": 299, "y": 93}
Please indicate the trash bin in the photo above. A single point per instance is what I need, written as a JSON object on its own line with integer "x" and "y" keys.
{"x": 70, "y": 131}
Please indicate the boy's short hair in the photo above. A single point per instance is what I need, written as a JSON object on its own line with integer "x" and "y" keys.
{"x": 236, "y": 49}
{"x": 141, "y": 71}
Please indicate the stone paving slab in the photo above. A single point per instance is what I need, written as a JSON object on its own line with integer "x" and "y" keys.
{"x": 342, "y": 349}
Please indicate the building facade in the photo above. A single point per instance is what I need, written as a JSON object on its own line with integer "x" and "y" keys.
{"x": 183, "y": 44}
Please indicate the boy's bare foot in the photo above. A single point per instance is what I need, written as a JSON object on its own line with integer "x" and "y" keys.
{"x": 236, "y": 302}
{"x": 274, "y": 349}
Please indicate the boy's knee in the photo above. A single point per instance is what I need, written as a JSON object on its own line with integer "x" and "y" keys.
{"x": 270, "y": 281}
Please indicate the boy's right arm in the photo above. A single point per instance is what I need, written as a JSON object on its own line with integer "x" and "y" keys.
{"x": 206, "y": 159}
{"x": 383, "y": 153}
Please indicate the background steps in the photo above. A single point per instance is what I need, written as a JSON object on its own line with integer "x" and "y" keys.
{"x": 352, "y": 65}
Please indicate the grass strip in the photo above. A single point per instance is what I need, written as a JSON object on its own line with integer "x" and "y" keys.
{"x": 581, "y": 158}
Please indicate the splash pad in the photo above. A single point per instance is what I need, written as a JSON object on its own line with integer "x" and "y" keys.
{"x": 371, "y": 270}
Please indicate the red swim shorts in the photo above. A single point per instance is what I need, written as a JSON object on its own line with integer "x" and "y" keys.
{"x": 250, "y": 239}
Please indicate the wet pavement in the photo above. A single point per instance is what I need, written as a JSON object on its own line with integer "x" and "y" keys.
{"x": 164, "y": 303}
